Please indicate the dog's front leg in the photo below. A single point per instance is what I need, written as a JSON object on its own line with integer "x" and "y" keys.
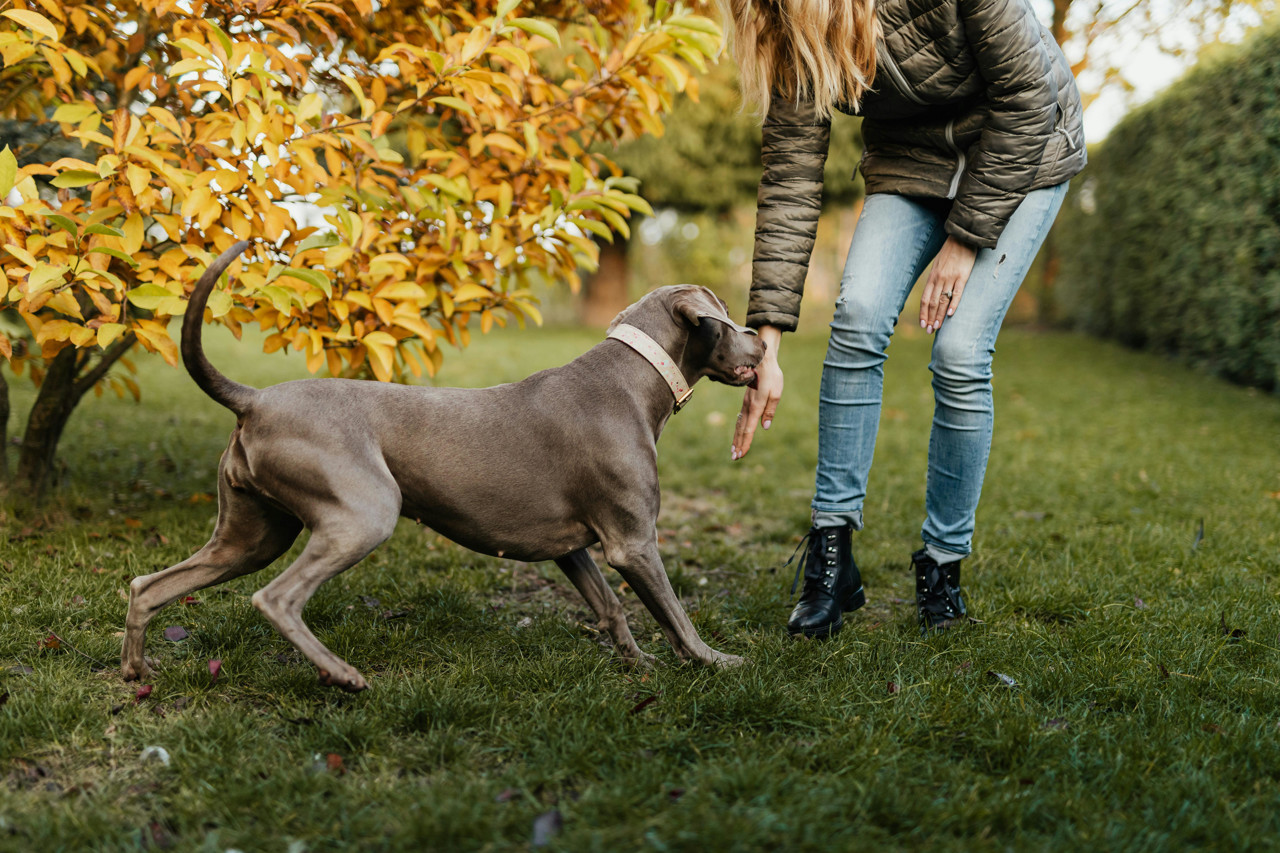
{"x": 583, "y": 572}
{"x": 641, "y": 566}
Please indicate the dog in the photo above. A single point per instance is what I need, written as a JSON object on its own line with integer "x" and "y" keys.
{"x": 534, "y": 470}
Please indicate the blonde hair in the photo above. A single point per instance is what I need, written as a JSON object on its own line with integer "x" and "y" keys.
{"x": 801, "y": 50}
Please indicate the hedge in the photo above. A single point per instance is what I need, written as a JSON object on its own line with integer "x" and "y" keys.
{"x": 1170, "y": 238}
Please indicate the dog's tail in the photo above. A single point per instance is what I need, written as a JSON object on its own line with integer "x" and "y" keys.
{"x": 233, "y": 395}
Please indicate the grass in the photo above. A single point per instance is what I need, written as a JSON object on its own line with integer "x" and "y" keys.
{"x": 1144, "y": 714}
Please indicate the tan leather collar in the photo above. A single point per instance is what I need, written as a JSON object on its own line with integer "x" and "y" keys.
{"x": 658, "y": 357}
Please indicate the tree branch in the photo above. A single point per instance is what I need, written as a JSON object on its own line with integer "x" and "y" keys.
{"x": 110, "y": 357}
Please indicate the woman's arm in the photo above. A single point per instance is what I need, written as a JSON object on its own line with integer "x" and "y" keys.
{"x": 793, "y": 151}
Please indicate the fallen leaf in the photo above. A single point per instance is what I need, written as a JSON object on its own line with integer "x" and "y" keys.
{"x": 133, "y": 522}
{"x": 181, "y": 702}
{"x": 506, "y": 795}
{"x": 1164, "y": 673}
{"x": 1139, "y": 603}
{"x": 215, "y": 667}
{"x": 546, "y": 826}
{"x": 675, "y": 794}
{"x": 50, "y": 642}
{"x": 158, "y": 836}
{"x": 188, "y": 599}
{"x": 156, "y": 539}
{"x": 143, "y": 692}
{"x": 893, "y": 688}
{"x": 525, "y": 622}
{"x": 77, "y": 599}
{"x": 1212, "y": 728}
{"x": 371, "y": 602}
{"x": 1056, "y": 723}
{"x": 1002, "y": 678}
{"x": 334, "y": 762}
{"x": 175, "y": 633}
{"x": 645, "y": 703}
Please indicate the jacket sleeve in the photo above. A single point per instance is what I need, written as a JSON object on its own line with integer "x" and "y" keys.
{"x": 1022, "y": 112}
{"x": 793, "y": 151}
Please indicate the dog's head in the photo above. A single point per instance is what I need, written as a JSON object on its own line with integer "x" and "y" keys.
{"x": 699, "y": 332}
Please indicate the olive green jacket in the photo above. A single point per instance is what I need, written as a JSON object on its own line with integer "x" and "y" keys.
{"x": 972, "y": 101}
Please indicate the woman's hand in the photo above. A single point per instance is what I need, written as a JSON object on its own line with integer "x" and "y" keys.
{"x": 946, "y": 283}
{"x": 761, "y": 400}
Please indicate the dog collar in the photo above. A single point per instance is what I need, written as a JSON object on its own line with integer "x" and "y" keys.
{"x": 658, "y": 357}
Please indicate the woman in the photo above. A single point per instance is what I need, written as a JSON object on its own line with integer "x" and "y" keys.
{"x": 971, "y": 127}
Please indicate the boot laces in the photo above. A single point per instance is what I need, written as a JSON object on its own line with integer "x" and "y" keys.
{"x": 823, "y": 579}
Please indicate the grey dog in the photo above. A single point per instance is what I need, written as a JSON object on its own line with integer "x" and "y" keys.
{"x": 535, "y": 470}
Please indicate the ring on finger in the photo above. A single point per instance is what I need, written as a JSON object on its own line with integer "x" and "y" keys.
{"x": 948, "y": 294}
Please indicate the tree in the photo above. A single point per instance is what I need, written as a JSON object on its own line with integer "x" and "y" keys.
{"x": 1099, "y": 36}
{"x": 402, "y": 168}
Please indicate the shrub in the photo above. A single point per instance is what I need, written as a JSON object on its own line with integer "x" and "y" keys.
{"x": 1170, "y": 239}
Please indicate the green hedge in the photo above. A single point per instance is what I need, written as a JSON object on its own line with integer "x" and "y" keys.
{"x": 1170, "y": 239}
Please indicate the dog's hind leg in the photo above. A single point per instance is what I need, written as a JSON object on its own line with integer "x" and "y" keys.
{"x": 641, "y": 566}
{"x": 583, "y": 572}
{"x": 340, "y": 538}
{"x": 249, "y": 536}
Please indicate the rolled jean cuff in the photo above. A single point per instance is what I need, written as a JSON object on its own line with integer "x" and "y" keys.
{"x": 941, "y": 556}
{"x": 837, "y": 518}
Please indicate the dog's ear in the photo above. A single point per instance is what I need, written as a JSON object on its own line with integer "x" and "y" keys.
{"x": 695, "y": 303}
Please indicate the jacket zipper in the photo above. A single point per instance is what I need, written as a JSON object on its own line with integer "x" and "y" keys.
{"x": 960, "y": 159}
{"x": 901, "y": 82}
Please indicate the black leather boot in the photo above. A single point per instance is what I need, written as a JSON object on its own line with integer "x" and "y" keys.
{"x": 938, "y": 601}
{"x": 832, "y": 583}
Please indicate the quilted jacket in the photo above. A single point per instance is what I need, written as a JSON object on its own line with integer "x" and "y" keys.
{"x": 972, "y": 100}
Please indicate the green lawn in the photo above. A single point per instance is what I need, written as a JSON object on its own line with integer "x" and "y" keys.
{"x": 1146, "y": 713}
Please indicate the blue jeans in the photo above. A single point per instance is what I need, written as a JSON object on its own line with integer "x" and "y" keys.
{"x": 895, "y": 240}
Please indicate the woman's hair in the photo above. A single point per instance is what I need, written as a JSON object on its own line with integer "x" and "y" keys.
{"x": 819, "y": 50}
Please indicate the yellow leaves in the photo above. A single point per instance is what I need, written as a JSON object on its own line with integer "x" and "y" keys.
{"x": 155, "y": 337}
{"x": 33, "y": 21}
{"x": 44, "y": 277}
{"x": 535, "y": 27}
{"x": 381, "y": 347}
{"x": 109, "y": 332}
{"x": 8, "y": 171}
{"x": 496, "y": 183}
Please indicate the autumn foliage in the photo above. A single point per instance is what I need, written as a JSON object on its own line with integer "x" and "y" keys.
{"x": 402, "y": 166}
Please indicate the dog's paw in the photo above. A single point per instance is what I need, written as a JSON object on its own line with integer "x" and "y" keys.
{"x": 352, "y": 681}
{"x": 723, "y": 661}
{"x": 642, "y": 660}
{"x": 137, "y": 671}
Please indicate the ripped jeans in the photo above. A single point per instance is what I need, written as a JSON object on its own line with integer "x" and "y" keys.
{"x": 895, "y": 240}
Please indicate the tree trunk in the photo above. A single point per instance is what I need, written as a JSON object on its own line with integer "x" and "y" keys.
{"x": 606, "y": 291}
{"x": 63, "y": 387}
{"x": 1058, "y": 29}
